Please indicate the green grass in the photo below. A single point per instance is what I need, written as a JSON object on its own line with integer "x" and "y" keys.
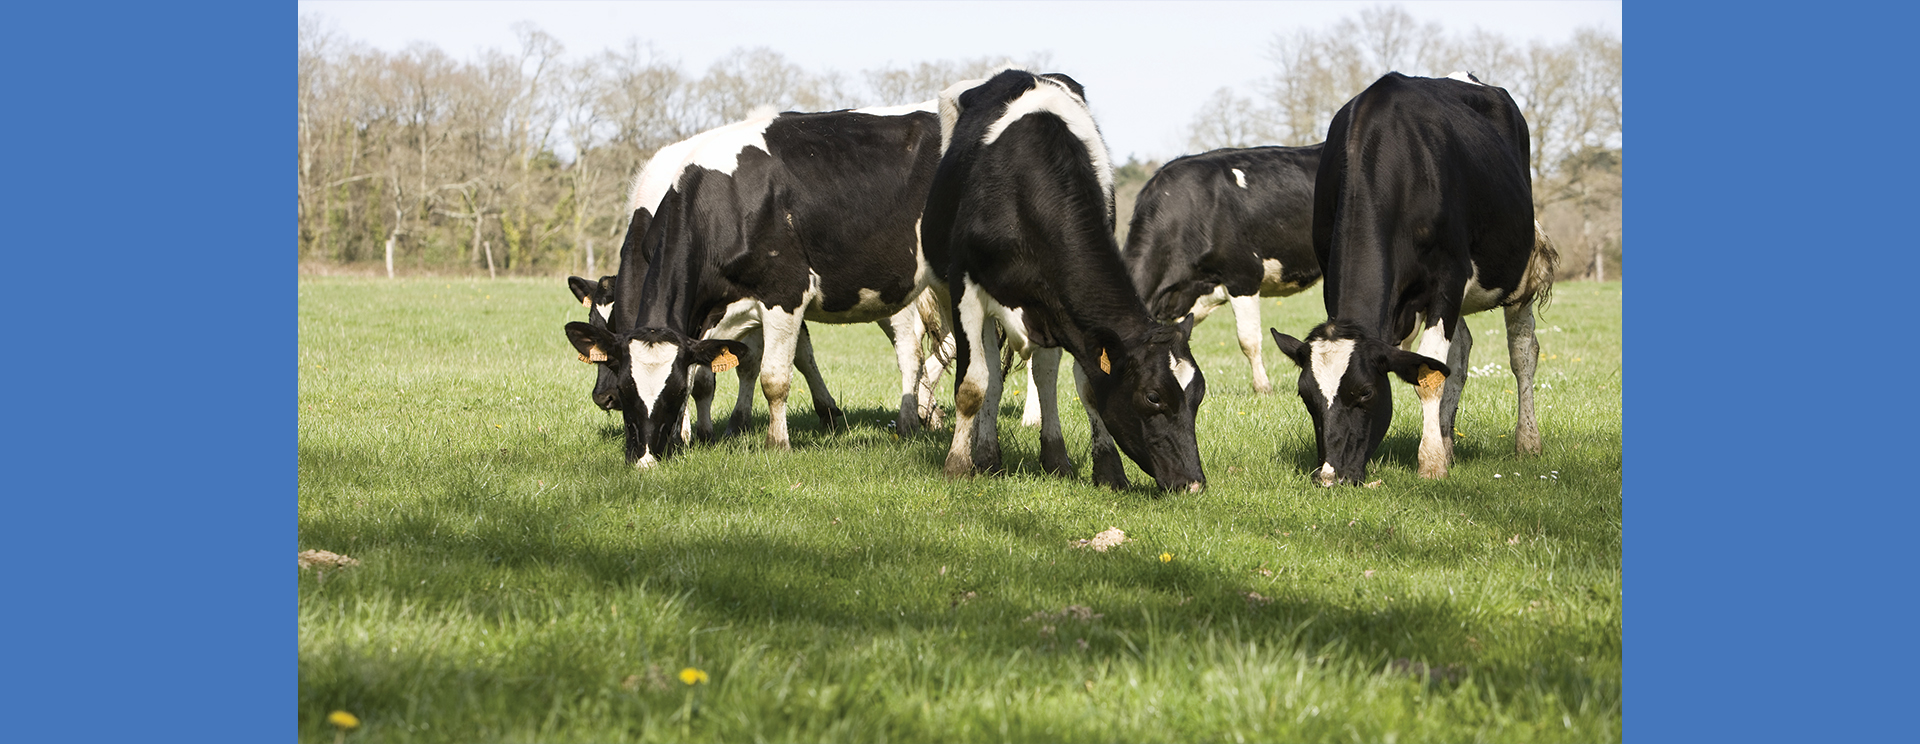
{"x": 519, "y": 583}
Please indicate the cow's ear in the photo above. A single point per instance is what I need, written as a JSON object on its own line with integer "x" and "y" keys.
{"x": 718, "y": 353}
{"x": 606, "y": 286}
{"x": 595, "y": 344}
{"x": 1416, "y": 369}
{"x": 1293, "y": 348}
{"x": 1186, "y": 327}
{"x": 582, "y": 290}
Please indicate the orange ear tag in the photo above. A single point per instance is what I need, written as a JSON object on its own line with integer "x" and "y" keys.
{"x": 594, "y": 354}
{"x": 1430, "y": 381}
{"x": 586, "y": 302}
{"x": 1104, "y": 366}
{"x": 725, "y": 360}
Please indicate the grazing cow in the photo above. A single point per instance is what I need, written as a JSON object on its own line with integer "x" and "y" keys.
{"x": 650, "y": 185}
{"x": 1227, "y": 226}
{"x": 597, "y": 297}
{"x": 771, "y": 222}
{"x": 1423, "y": 214}
{"x": 1021, "y": 217}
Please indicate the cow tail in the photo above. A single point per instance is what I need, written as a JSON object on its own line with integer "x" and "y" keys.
{"x": 1537, "y": 285}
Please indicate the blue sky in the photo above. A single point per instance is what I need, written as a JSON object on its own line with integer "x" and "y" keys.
{"x": 1147, "y": 66}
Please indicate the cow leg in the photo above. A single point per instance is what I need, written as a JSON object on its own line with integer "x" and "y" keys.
{"x": 1107, "y": 469}
{"x": 1434, "y": 446}
{"x": 904, "y": 330}
{"x": 931, "y": 371}
{"x": 831, "y": 417}
{"x": 1030, "y": 411}
{"x": 781, "y": 334}
{"x": 1246, "y": 324}
{"x": 1044, "y": 371}
{"x": 704, "y": 385}
{"x": 1523, "y": 350}
{"x": 986, "y": 438}
{"x": 978, "y": 363}
{"x": 747, "y": 373}
{"x": 1459, "y": 357}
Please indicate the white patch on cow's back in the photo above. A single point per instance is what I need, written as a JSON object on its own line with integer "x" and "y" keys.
{"x": 1464, "y": 76}
{"x": 651, "y": 363}
{"x": 1240, "y": 177}
{"x": 1182, "y": 370}
{"x": 721, "y": 152}
{"x": 931, "y": 105}
{"x": 1329, "y": 362}
{"x": 662, "y": 171}
{"x": 950, "y": 109}
{"x": 1053, "y": 97}
{"x": 1475, "y": 298}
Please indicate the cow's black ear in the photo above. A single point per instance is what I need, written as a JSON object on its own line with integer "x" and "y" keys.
{"x": 595, "y": 344}
{"x": 1072, "y": 85}
{"x": 1415, "y": 368}
{"x": 1293, "y": 348}
{"x": 1186, "y": 327}
{"x": 606, "y": 286}
{"x": 582, "y": 290}
{"x": 718, "y": 353}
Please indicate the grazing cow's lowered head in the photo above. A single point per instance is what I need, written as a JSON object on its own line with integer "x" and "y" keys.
{"x": 649, "y": 367}
{"x": 598, "y": 298}
{"x": 1343, "y": 382}
{"x": 1147, "y": 397}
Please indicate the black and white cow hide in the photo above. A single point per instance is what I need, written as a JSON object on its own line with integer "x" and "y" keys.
{"x": 1226, "y": 227}
{"x": 1423, "y": 214}
{"x": 1021, "y": 218}
{"x": 770, "y": 223}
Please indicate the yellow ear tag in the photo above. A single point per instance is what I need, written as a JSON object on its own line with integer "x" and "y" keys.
{"x": 725, "y": 360}
{"x": 1104, "y": 366}
{"x": 594, "y": 354}
{"x": 1430, "y": 381}
{"x": 586, "y": 302}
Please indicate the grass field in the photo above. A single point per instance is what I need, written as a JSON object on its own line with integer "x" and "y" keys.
{"x": 519, "y": 583}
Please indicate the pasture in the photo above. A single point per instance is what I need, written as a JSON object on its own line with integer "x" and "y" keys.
{"x": 519, "y": 583}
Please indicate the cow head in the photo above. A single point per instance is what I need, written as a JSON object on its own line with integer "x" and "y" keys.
{"x": 1343, "y": 382}
{"x": 649, "y": 370}
{"x": 1147, "y": 391}
{"x": 598, "y": 299}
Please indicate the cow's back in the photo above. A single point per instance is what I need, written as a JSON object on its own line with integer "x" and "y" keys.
{"x": 1413, "y": 167}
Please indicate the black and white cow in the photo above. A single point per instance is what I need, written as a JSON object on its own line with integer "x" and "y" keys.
{"x": 596, "y": 297}
{"x": 1021, "y": 216}
{"x": 649, "y": 186}
{"x": 1229, "y": 226}
{"x": 1423, "y": 214}
{"x": 770, "y": 223}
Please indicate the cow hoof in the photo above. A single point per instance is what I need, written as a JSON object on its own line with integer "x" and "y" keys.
{"x": 907, "y": 425}
{"x": 1433, "y": 471}
{"x": 1057, "y": 463}
{"x": 832, "y": 418}
{"x": 959, "y": 466}
{"x": 1526, "y": 445}
{"x": 1259, "y": 389}
{"x": 779, "y": 444}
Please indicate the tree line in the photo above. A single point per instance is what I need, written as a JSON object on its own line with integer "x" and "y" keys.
{"x": 519, "y": 160}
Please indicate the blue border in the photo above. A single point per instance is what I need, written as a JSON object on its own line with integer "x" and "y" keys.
{"x": 151, "y": 342}
{"x": 1769, "y": 203}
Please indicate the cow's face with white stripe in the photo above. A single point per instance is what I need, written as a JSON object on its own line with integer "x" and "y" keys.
{"x": 1343, "y": 382}
{"x": 649, "y": 367}
{"x": 598, "y": 299}
{"x": 1148, "y": 397}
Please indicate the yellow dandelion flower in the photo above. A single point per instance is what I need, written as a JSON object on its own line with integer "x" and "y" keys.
{"x": 1166, "y": 557}
{"x": 343, "y": 719}
{"x": 692, "y": 676}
